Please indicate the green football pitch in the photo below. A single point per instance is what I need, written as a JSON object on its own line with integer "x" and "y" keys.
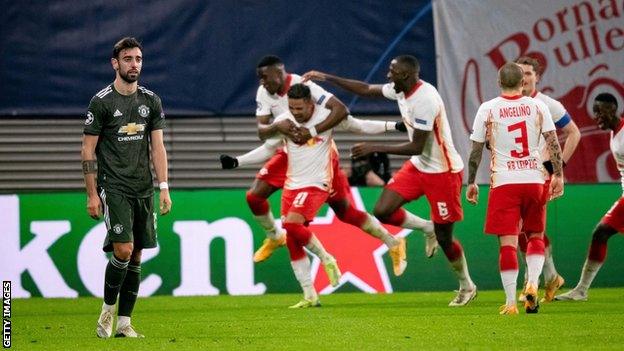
{"x": 347, "y": 321}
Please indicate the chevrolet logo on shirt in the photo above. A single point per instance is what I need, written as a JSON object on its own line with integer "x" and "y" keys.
{"x": 131, "y": 129}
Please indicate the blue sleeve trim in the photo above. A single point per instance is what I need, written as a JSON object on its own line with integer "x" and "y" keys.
{"x": 321, "y": 99}
{"x": 563, "y": 121}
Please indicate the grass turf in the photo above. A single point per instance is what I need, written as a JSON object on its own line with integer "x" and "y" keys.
{"x": 347, "y": 321}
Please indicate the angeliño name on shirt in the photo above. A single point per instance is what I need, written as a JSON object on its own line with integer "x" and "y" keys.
{"x": 515, "y": 111}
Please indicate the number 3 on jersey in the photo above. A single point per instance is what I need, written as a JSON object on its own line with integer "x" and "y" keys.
{"x": 300, "y": 199}
{"x": 522, "y": 139}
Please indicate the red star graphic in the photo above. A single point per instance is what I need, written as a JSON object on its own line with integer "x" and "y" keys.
{"x": 359, "y": 255}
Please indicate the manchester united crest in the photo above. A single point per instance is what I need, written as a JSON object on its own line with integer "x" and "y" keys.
{"x": 144, "y": 111}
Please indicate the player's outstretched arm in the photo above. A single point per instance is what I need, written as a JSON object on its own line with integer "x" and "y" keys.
{"x": 410, "y": 148}
{"x": 354, "y": 86}
{"x": 363, "y": 126}
{"x": 472, "y": 191}
{"x": 256, "y": 156}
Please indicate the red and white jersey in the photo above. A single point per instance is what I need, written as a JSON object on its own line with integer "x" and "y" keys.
{"x": 310, "y": 164}
{"x": 277, "y": 104}
{"x": 557, "y": 111}
{"x": 617, "y": 149}
{"x": 423, "y": 108}
{"x": 513, "y": 127}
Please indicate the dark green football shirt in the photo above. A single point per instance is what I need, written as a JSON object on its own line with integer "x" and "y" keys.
{"x": 123, "y": 124}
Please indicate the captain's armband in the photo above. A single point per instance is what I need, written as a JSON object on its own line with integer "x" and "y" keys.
{"x": 89, "y": 166}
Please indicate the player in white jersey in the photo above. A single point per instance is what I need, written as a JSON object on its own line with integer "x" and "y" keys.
{"x": 435, "y": 169}
{"x": 571, "y": 136}
{"x": 307, "y": 186}
{"x": 512, "y": 125}
{"x": 605, "y": 115}
{"x": 339, "y": 195}
{"x": 272, "y": 101}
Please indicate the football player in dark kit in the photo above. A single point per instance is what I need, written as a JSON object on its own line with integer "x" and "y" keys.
{"x": 123, "y": 121}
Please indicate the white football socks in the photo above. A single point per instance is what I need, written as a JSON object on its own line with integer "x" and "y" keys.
{"x": 412, "y": 221}
{"x": 303, "y": 273}
{"x": 460, "y": 268}
{"x": 374, "y": 228}
{"x": 549, "y": 270}
{"x": 590, "y": 269}
{"x": 534, "y": 268}
{"x": 317, "y": 248}
{"x": 509, "y": 279}
{"x": 267, "y": 222}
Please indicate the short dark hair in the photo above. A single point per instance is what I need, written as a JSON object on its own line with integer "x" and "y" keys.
{"x": 606, "y": 97}
{"x": 269, "y": 60}
{"x": 125, "y": 43}
{"x": 530, "y": 61}
{"x": 510, "y": 75}
{"x": 410, "y": 61}
{"x": 299, "y": 91}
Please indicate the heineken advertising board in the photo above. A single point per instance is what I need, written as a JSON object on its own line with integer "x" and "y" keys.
{"x": 50, "y": 247}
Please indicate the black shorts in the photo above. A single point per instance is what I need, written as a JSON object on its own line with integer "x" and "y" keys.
{"x": 128, "y": 219}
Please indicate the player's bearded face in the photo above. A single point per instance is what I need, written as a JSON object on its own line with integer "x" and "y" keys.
{"x": 129, "y": 64}
{"x": 530, "y": 79}
{"x": 301, "y": 109}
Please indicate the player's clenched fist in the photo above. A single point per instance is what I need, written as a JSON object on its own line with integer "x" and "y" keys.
{"x": 94, "y": 207}
{"x": 472, "y": 193}
{"x": 228, "y": 162}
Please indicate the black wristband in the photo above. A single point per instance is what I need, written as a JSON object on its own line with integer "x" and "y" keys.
{"x": 89, "y": 166}
{"x": 549, "y": 167}
{"x": 400, "y": 126}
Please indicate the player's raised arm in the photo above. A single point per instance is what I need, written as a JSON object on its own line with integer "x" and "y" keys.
{"x": 258, "y": 155}
{"x": 363, "y": 126}
{"x": 354, "y": 86}
{"x": 410, "y": 148}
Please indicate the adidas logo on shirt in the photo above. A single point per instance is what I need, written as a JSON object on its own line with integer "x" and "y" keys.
{"x": 117, "y": 113}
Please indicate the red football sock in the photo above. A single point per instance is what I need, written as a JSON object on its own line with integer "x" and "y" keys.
{"x": 397, "y": 218}
{"x": 535, "y": 246}
{"x": 297, "y": 236}
{"x": 258, "y": 205}
{"x": 508, "y": 258}
{"x": 454, "y": 252}
{"x": 352, "y": 216}
{"x": 597, "y": 251}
